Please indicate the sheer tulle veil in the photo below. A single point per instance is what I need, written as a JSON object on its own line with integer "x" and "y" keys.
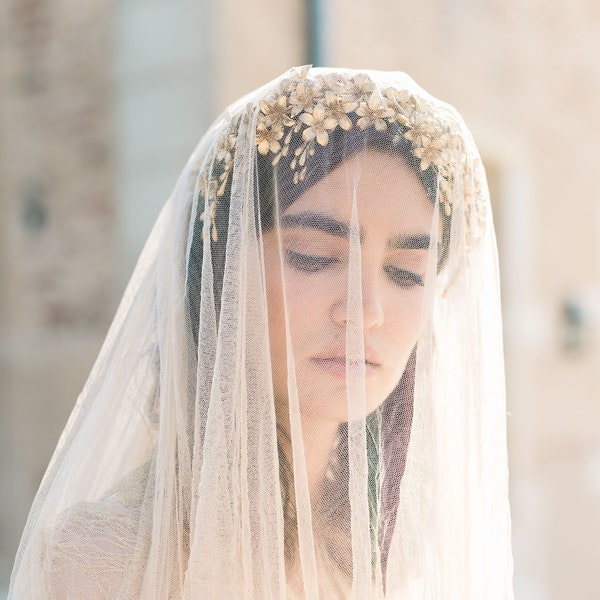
{"x": 302, "y": 391}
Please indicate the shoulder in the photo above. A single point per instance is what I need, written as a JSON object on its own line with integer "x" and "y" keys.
{"x": 95, "y": 548}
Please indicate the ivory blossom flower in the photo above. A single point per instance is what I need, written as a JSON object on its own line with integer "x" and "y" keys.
{"x": 311, "y": 108}
{"x": 275, "y": 115}
{"x": 430, "y": 151}
{"x": 373, "y": 112}
{"x": 339, "y": 109}
{"x": 319, "y": 124}
{"x": 267, "y": 139}
{"x": 301, "y": 99}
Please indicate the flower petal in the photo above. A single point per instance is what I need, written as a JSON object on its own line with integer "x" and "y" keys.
{"x": 344, "y": 122}
{"x": 307, "y": 118}
{"x": 380, "y": 125}
{"x": 375, "y": 101}
{"x": 318, "y": 112}
{"x": 363, "y": 123}
{"x": 330, "y": 123}
{"x": 308, "y": 134}
{"x": 323, "y": 138}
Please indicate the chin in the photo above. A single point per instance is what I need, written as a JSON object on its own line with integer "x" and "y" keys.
{"x": 336, "y": 408}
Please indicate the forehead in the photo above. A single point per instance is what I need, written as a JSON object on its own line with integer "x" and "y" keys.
{"x": 388, "y": 193}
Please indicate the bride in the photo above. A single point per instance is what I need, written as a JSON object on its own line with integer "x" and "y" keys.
{"x": 301, "y": 395}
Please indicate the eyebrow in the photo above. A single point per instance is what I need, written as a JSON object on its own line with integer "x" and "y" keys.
{"x": 319, "y": 221}
{"x": 331, "y": 226}
{"x": 410, "y": 242}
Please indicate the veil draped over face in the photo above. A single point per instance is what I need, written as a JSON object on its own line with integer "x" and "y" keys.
{"x": 302, "y": 392}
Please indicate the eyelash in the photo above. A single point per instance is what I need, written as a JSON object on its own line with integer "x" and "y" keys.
{"x": 308, "y": 262}
{"x": 402, "y": 278}
{"x": 313, "y": 264}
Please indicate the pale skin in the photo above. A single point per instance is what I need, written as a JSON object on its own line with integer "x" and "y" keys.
{"x": 395, "y": 221}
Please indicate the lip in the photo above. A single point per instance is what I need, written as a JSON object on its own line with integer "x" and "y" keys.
{"x": 333, "y": 361}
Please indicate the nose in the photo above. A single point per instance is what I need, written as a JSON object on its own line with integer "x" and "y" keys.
{"x": 372, "y": 304}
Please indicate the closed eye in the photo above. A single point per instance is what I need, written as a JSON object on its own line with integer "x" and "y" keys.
{"x": 403, "y": 278}
{"x": 308, "y": 262}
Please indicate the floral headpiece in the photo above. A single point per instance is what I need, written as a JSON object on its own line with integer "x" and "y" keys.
{"x": 314, "y": 107}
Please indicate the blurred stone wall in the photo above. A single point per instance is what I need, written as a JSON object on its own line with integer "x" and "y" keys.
{"x": 57, "y": 241}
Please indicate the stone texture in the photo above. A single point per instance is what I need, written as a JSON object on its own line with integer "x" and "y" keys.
{"x": 58, "y": 276}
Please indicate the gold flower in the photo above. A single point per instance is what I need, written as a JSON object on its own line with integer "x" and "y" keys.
{"x": 226, "y": 146}
{"x": 338, "y": 108}
{"x": 275, "y": 115}
{"x": 313, "y": 108}
{"x": 267, "y": 139}
{"x": 420, "y": 126}
{"x": 358, "y": 87}
{"x": 373, "y": 112}
{"x": 208, "y": 189}
{"x": 398, "y": 97}
{"x": 319, "y": 122}
{"x": 299, "y": 175}
{"x": 402, "y": 103}
{"x": 332, "y": 82}
{"x": 297, "y": 75}
{"x": 430, "y": 151}
{"x": 212, "y": 211}
{"x": 225, "y": 155}
{"x": 301, "y": 98}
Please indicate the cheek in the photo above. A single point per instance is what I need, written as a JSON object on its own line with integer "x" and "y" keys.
{"x": 306, "y": 301}
{"x": 308, "y": 297}
{"x": 405, "y": 318}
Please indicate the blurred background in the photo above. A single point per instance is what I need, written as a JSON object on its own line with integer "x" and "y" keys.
{"x": 101, "y": 103}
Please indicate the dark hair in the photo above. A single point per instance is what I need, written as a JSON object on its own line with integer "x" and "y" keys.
{"x": 341, "y": 146}
{"x": 395, "y": 413}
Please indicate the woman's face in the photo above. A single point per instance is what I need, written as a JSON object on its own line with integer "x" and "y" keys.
{"x": 395, "y": 219}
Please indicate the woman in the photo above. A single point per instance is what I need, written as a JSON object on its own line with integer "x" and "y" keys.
{"x": 301, "y": 395}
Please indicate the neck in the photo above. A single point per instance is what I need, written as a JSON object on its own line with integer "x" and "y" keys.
{"x": 319, "y": 439}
